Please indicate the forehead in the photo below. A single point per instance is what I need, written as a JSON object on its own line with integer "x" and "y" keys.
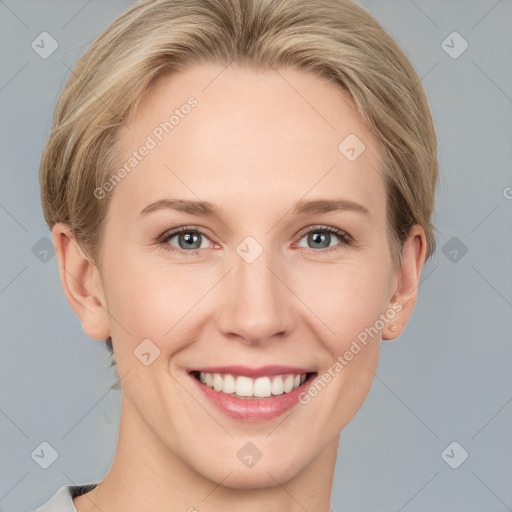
{"x": 237, "y": 134}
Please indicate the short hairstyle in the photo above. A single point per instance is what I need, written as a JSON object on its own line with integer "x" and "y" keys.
{"x": 334, "y": 39}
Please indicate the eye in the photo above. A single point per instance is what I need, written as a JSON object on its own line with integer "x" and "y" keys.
{"x": 320, "y": 237}
{"x": 189, "y": 240}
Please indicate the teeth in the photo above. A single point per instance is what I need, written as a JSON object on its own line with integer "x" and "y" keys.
{"x": 262, "y": 387}
{"x": 242, "y": 386}
{"x": 229, "y": 385}
{"x": 277, "y": 386}
{"x": 218, "y": 383}
{"x": 288, "y": 383}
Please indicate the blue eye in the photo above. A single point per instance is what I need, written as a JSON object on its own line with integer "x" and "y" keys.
{"x": 190, "y": 240}
{"x": 321, "y": 237}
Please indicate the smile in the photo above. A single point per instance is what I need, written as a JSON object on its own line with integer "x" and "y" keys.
{"x": 242, "y": 386}
{"x": 253, "y": 394}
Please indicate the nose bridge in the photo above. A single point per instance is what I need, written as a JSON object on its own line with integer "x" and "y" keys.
{"x": 255, "y": 278}
{"x": 256, "y": 304}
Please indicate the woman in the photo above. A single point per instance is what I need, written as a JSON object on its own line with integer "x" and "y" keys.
{"x": 240, "y": 193}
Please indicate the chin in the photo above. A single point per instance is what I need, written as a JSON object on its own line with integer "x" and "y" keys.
{"x": 264, "y": 473}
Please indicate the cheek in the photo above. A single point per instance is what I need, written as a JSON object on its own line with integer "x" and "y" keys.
{"x": 153, "y": 300}
{"x": 351, "y": 309}
{"x": 345, "y": 298}
{"x": 356, "y": 298}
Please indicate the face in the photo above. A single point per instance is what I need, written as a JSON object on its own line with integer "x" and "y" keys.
{"x": 265, "y": 284}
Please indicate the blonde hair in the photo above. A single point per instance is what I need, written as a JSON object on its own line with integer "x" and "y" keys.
{"x": 335, "y": 39}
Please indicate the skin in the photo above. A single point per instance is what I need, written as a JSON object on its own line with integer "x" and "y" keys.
{"x": 254, "y": 145}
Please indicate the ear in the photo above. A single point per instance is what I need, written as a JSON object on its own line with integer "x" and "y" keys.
{"x": 82, "y": 284}
{"x": 408, "y": 279}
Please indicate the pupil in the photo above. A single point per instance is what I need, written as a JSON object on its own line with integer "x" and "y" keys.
{"x": 189, "y": 238}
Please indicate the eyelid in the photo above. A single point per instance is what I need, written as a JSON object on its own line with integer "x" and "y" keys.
{"x": 331, "y": 229}
{"x": 175, "y": 231}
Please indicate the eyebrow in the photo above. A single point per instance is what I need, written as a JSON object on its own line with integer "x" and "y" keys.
{"x": 300, "y": 208}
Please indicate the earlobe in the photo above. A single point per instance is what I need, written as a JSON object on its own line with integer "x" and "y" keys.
{"x": 413, "y": 258}
{"x": 81, "y": 282}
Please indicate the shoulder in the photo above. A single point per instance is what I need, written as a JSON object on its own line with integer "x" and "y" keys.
{"x": 62, "y": 500}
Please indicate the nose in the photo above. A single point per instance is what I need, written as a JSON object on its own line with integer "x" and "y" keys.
{"x": 257, "y": 305}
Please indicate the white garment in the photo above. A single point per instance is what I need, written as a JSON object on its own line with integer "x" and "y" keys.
{"x": 62, "y": 500}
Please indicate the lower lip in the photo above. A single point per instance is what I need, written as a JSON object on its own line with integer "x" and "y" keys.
{"x": 254, "y": 409}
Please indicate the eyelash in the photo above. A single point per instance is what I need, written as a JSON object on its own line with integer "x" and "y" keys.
{"x": 346, "y": 239}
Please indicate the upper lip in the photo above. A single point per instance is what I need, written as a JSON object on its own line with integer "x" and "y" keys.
{"x": 259, "y": 371}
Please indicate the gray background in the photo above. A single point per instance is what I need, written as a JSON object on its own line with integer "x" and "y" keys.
{"x": 447, "y": 378}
